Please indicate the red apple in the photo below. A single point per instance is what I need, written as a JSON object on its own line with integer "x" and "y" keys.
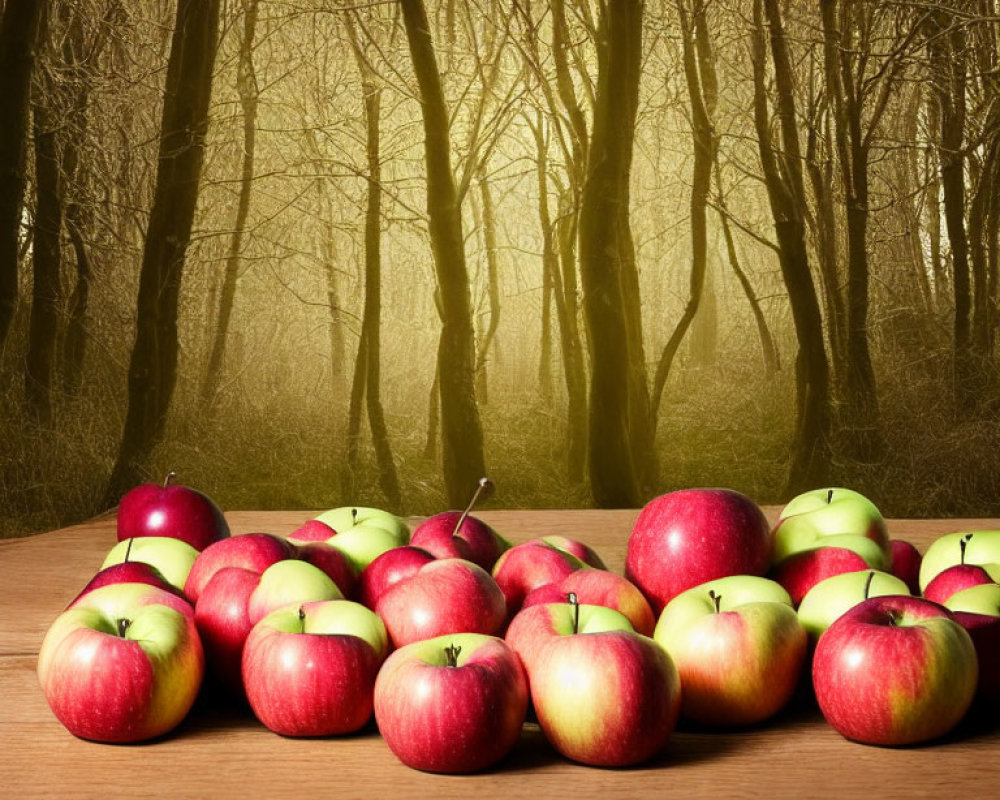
{"x": 333, "y": 562}
{"x": 527, "y": 566}
{"x": 173, "y": 510}
{"x": 124, "y": 664}
{"x": 958, "y": 577}
{"x": 129, "y": 572}
{"x": 451, "y": 704}
{"x": 310, "y": 670}
{"x": 894, "y": 670}
{"x": 607, "y": 699}
{"x": 602, "y": 588}
{"x": 804, "y": 569}
{"x": 312, "y": 531}
{"x": 448, "y": 595}
{"x": 685, "y": 538}
{"x": 904, "y": 563}
{"x": 473, "y": 540}
{"x": 587, "y": 554}
{"x": 389, "y": 568}
{"x": 977, "y": 609}
{"x": 252, "y": 551}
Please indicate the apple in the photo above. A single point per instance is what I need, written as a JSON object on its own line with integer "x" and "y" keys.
{"x": 684, "y": 538}
{"x": 606, "y": 699}
{"x": 129, "y": 572}
{"x": 173, "y": 558}
{"x": 389, "y": 568}
{"x": 448, "y": 595}
{"x": 528, "y": 565}
{"x": 312, "y": 531}
{"x": 831, "y": 597}
{"x": 965, "y": 547}
{"x": 587, "y": 554}
{"x": 123, "y": 664}
{"x": 333, "y": 562}
{"x": 310, "y": 670}
{"x": 904, "y": 563}
{"x": 363, "y": 534}
{"x": 533, "y": 626}
{"x": 451, "y": 704}
{"x": 836, "y": 518}
{"x": 977, "y": 609}
{"x": 235, "y": 599}
{"x": 894, "y": 670}
{"x": 800, "y": 571}
{"x": 251, "y": 551}
{"x": 960, "y": 576}
{"x": 169, "y": 509}
{"x": 602, "y": 588}
{"x": 739, "y": 649}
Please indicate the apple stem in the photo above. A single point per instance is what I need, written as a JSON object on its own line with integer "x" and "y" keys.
{"x": 485, "y": 485}
{"x": 868, "y": 583}
{"x": 716, "y": 598}
{"x": 354, "y": 516}
{"x": 451, "y": 653}
{"x": 829, "y": 496}
{"x": 574, "y": 601}
{"x": 170, "y": 476}
{"x": 963, "y": 543}
{"x": 128, "y": 548}
{"x": 122, "y": 626}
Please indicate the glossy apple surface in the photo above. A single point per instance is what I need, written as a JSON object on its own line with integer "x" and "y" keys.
{"x": 739, "y": 648}
{"x": 451, "y": 712}
{"x": 365, "y": 533}
{"x": 801, "y": 571}
{"x": 528, "y": 565}
{"x": 684, "y": 538}
{"x": 174, "y": 559}
{"x": 171, "y": 510}
{"x": 250, "y": 551}
{"x": 583, "y": 551}
{"x": 124, "y": 664}
{"x": 960, "y": 547}
{"x": 129, "y": 572}
{"x": 606, "y": 699}
{"x": 959, "y": 577}
{"x": 904, "y": 563}
{"x": 894, "y": 670}
{"x": 602, "y": 588}
{"x": 310, "y": 670}
{"x": 389, "y": 568}
{"x": 474, "y": 541}
{"x": 831, "y": 597}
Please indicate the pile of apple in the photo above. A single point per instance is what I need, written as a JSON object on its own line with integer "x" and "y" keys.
{"x": 450, "y": 636}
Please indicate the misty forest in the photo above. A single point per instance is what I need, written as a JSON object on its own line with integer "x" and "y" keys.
{"x": 329, "y": 252}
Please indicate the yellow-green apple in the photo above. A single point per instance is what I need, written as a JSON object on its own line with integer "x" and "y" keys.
{"x": 528, "y": 565}
{"x": 800, "y": 571}
{"x": 173, "y": 558}
{"x": 583, "y": 551}
{"x": 251, "y": 551}
{"x": 447, "y": 595}
{"x": 606, "y": 699}
{"x": 473, "y": 540}
{"x": 894, "y": 670}
{"x": 169, "y": 509}
{"x": 963, "y": 547}
{"x": 363, "y": 534}
{"x": 830, "y": 598}
{"x": 533, "y": 626}
{"x": 833, "y": 518}
{"x": 389, "y": 568}
{"x": 451, "y": 704}
{"x": 739, "y": 648}
{"x": 310, "y": 670}
{"x": 124, "y": 664}
{"x": 684, "y": 538}
{"x": 904, "y": 563}
{"x": 600, "y": 588}
{"x": 960, "y": 576}
{"x": 977, "y": 609}
{"x": 235, "y": 599}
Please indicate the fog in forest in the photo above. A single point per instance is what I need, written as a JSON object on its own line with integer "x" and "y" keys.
{"x": 321, "y": 253}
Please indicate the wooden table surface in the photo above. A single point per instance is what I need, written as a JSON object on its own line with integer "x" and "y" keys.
{"x": 221, "y": 751}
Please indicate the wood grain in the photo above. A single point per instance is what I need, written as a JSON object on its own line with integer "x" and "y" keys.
{"x": 222, "y": 751}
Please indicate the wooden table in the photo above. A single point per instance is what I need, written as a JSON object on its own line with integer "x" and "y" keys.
{"x": 221, "y": 751}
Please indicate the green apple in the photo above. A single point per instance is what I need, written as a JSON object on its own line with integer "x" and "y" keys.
{"x": 363, "y": 534}
{"x": 981, "y": 599}
{"x": 172, "y": 557}
{"x": 830, "y": 598}
{"x": 836, "y": 518}
{"x": 290, "y": 582}
{"x": 739, "y": 648}
{"x": 981, "y": 548}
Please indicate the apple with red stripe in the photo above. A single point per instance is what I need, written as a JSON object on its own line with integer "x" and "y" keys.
{"x": 960, "y": 576}
{"x": 451, "y": 704}
{"x": 528, "y": 566}
{"x": 894, "y": 670}
{"x": 310, "y": 670}
{"x": 123, "y": 664}
{"x": 739, "y": 648}
{"x": 599, "y": 587}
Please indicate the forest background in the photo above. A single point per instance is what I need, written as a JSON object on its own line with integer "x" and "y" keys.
{"x": 310, "y": 253}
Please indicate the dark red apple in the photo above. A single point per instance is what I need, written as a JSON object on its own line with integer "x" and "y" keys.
{"x": 443, "y": 537}
{"x": 387, "y": 569}
{"x": 904, "y": 563}
{"x": 129, "y": 572}
{"x": 169, "y": 509}
{"x": 802, "y": 570}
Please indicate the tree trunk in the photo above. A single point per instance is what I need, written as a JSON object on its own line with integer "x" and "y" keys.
{"x": 492, "y": 283}
{"x": 18, "y": 37}
{"x": 246, "y": 84}
{"x": 463, "y": 458}
{"x": 153, "y": 365}
{"x": 786, "y": 195}
{"x": 604, "y": 240}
